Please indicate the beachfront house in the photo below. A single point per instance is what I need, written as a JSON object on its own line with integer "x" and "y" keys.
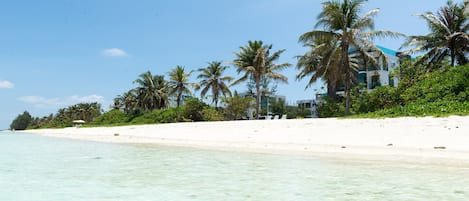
{"x": 266, "y": 103}
{"x": 310, "y": 105}
{"x": 371, "y": 76}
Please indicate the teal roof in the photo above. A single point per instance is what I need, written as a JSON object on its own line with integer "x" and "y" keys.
{"x": 387, "y": 51}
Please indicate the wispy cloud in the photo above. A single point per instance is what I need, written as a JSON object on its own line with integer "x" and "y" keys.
{"x": 4, "y": 84}
{"x": 42, "y": 102}
{"x": 114, "y": 52}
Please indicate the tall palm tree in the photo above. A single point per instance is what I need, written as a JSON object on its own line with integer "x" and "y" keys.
{"x": 321, "y": 62}
{"x": 127, "y": 102}
{"x": 449, "y": 37}
{"x": 256, "y": 62}
{"x": 341, "y": 20}
{"x": 212, "y": 78}
{"x": 152, "y": 92}
{"x": 179, "y": 83}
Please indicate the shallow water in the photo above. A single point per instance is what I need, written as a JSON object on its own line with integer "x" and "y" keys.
{"x": 48, "y": 169}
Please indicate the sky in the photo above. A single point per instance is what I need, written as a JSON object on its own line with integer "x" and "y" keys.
{"x": 56, "y": 53}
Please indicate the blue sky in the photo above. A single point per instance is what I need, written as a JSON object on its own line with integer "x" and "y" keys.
{"x": 57, "y": 53}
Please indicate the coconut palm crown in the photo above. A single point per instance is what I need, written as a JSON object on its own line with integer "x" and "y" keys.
{"x": 341, "y": 20}
{"x": 179, "y": 83}
{"x": 256, "y": 62}
{"x": 449, "y": 37}
{"x": 211, "y": 78}
{"x": 152, "y": 92}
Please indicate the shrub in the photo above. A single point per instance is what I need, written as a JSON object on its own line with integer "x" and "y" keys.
{"x": 327, "y": 108}
{"x": 21, "y": 122}
{"x": 193, "y": 109}
{"x": 381, "y": 98}
{"x": 443, "y": 85}
{"x": 236, "y": 107}
{"x": 111, "y": 117}
{"x": 295, "y": 112}
{"x": 211, "y": 114}
{"x": 440, "y": 108}
{"x": 171, "y": 115}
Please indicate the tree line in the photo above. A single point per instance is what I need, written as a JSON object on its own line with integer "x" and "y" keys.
{"x": 341, "y": 41}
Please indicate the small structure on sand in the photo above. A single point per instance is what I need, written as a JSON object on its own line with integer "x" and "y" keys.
{"x": 78, "y": 123}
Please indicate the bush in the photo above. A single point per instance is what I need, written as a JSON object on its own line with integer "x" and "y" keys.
{"x": 21, "y": 122}
{"x": 237, "y": 106}
{"x": 211, "y": 114}
{"x": 440, "y": 108}
{"x": 112, "y": 117}
{"x": 171, "y": 115}
{"x": 327, "y": 108}
{"x": 193, "y": 109}
{"x": 381, "y": 98}
{"x": 443, "y": 85}
{"x": 295, "y": 112}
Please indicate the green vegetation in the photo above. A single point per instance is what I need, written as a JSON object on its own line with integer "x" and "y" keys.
{"x": 439, "y": 93}
{"x": 448, "y": 37}
{"x": 435, "y": 84}
{"x": 237, "y": 106}
{"x": 112, "y": 117}
{"x": 65, "y": 116}
{"x": 258, "y": 64}
{"x": 179, "y": 83}
{"x": 21, "y": 122}
{"x": 344, "y": 43}
{"x": 212, "y": 78}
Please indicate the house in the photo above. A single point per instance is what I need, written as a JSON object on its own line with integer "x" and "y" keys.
{"x": 265, "y": 104}
{"x": 371, "y": 76}
{"x": 308, "y": 104}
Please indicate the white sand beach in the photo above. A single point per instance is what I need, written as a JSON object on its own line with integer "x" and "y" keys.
{"x": 414, "y": 140}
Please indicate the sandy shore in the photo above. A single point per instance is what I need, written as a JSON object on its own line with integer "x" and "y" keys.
{"x": 435, "y": 140}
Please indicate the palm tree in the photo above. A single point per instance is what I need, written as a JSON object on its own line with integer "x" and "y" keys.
{"x": 321, "y": 62}
{"x": 448, "y": 38}
{"x": 212, "y": 78}
{"x": 341, "y": 20}
{"x": 179, "y": 83}
{"x": 127, "y": 102}
{"x": 152, "y": 92}
{"x": 256, "y": 62}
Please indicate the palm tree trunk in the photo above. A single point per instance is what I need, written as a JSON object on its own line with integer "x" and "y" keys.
{"x": 178, "y": 99}
{"x": 332, "y": 91}
{"x": 346, "y": 65}
{"x": 258, "y": 99}
{"x": 452, "y": 57}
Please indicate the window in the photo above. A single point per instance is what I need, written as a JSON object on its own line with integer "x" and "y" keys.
{"x": 375, "y": 81}
{"x": 391, "y": 81}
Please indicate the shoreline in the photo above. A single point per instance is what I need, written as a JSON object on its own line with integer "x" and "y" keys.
{"x": 425, "y": 140}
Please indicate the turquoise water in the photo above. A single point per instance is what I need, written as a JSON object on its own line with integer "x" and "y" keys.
{"x": 35, "y": 168}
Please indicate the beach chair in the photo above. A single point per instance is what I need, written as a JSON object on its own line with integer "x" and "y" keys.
{"x": 276, "y": 117}
{"x": 284, "y": 116}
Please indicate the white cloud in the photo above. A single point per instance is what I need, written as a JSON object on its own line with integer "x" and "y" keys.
{"x": 114, "y": 52}
{"x": 31, "y": 99}
{"x": 85, "y": 99}
{"x": 4, "y": 84}
{"x": 42, "y": 102}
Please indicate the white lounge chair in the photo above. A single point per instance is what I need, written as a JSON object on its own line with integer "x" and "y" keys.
{"x": 276, "y": 117}
{"x": 284, "y": 116}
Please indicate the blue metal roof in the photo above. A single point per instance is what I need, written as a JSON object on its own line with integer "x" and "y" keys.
{"x": 387, "y": 51}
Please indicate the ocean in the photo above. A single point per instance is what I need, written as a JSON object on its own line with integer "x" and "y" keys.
{"x": 37, "y": 168}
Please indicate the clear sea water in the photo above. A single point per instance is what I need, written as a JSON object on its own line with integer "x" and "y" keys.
{"x": 35, "y": 168}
